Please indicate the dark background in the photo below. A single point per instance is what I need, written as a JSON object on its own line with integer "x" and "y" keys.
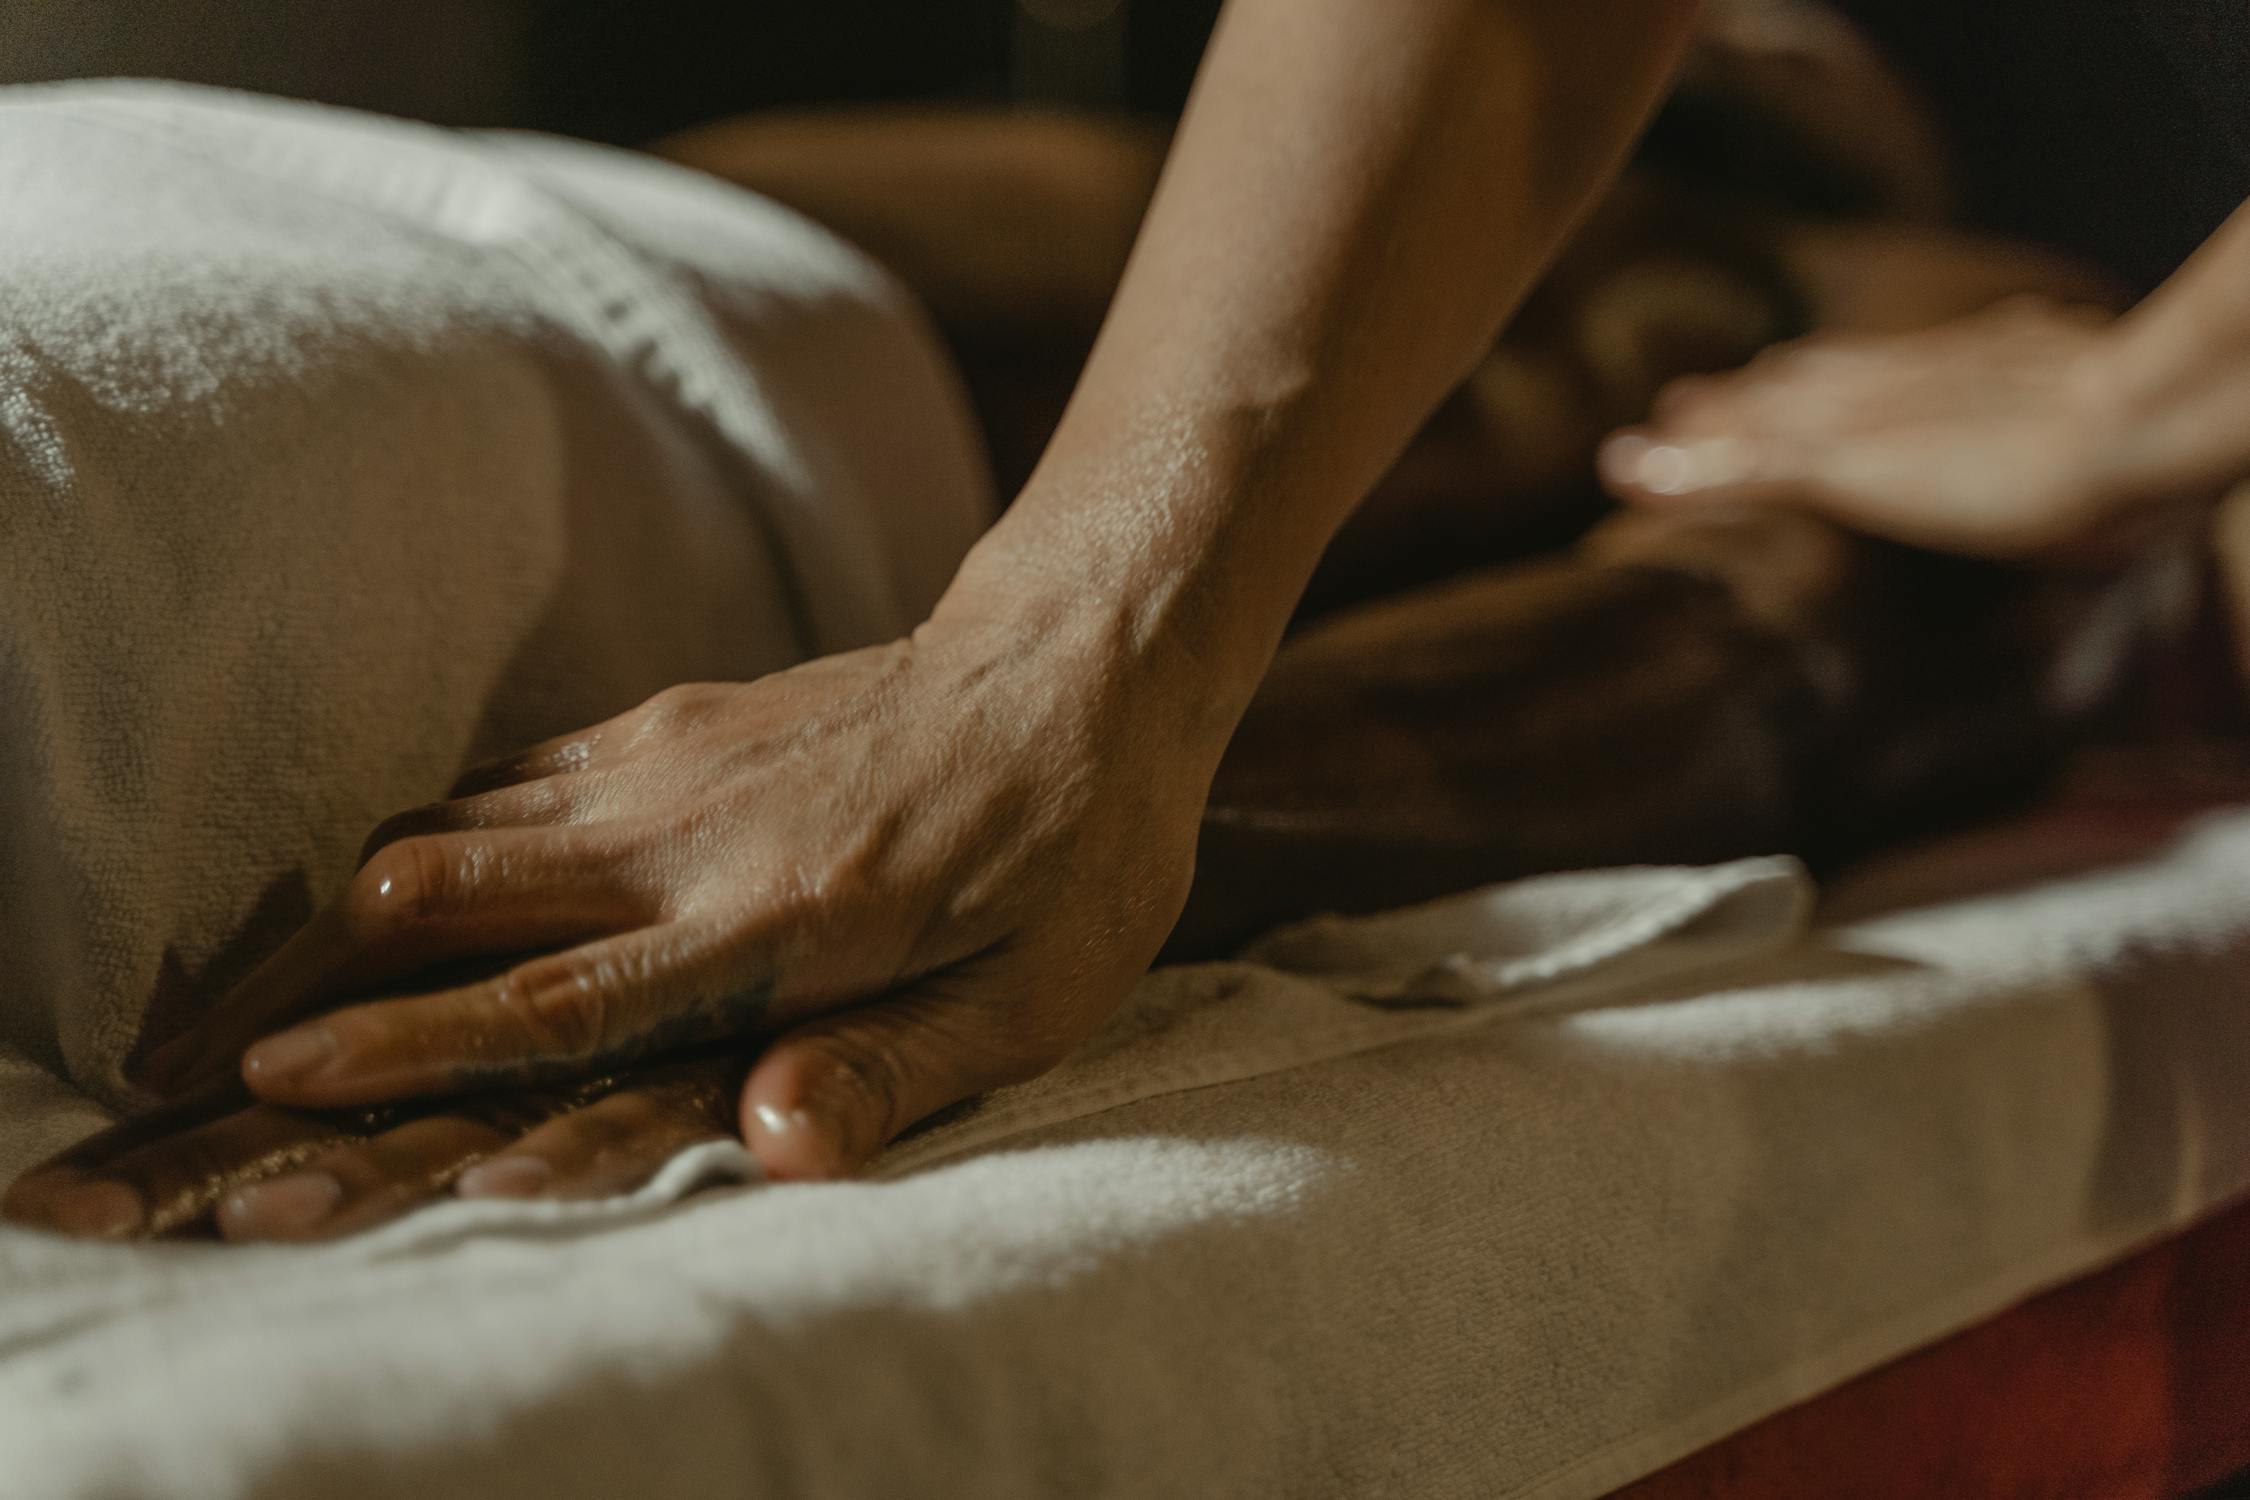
{"x": 624, "y": 70}
{"x": 2119, "y": 128}
{"x": 679, "y": 61}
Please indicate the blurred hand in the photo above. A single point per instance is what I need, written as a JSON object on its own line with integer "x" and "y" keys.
{"x": 1991, "y": 435}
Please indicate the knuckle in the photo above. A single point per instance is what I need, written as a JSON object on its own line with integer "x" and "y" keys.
{"x": 677, "y": 707}
{"x": 571, "y": 1005}
{"x": 554, "y": 800}
{"x": 555, "y": 1014}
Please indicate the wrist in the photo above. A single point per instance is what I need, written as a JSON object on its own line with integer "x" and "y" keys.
{"x": 1180, "y": 575}
{"x": 2166, "y": 402}
{"x": 1089, "y": 623}
{"x": 2135, "y": 363}
{"x": 2107, "y": 387}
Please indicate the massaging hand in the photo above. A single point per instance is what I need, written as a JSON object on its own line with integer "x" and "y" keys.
{"x": 258, "y": 1172}
{"x": 1993, "y": 435}
{"x": 932, "y": 867}
{"x": 921, "y": 870}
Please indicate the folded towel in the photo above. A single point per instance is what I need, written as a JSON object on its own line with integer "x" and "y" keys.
{"x": 337, "y": 453}
{"x": 1610, "y": 925}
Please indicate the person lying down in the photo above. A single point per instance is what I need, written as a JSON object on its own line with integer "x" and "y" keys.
{"x": 1487, "y": 677}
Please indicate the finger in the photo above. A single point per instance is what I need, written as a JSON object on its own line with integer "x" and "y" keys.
{"x": 129, "y": 1135}
{"x": 68, "y": 1193}
{"x": 418, "y": 903}
{"x": 826, "y": 1097}
{"x": 170, "y": 1183}
{"x": 1649, "y": 467}
{"x": 532, "y": 804}
{"x": 617, "y": 1143}
{"x": 361, "y": 1183}
{"x": 553, "y": 1017}
{"x": 556, "y": 757}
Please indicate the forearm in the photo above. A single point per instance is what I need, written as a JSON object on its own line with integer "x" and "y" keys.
{"x": 1360, "y": 193}
{"x": 2176, "y": 376}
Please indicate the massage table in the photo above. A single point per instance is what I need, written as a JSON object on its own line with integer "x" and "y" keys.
{"x": 1540, "y": 1191}
{"x": 2131, "y": 1381}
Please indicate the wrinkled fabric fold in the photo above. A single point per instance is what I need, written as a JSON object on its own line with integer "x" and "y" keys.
{"x": 338, "y": 453}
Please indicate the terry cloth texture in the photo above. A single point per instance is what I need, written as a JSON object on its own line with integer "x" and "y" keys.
{"x": 337, "y": 453}
{"x": 1261, "y": 1238}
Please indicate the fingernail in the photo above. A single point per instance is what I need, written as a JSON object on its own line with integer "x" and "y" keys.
{"x": 1620, "y": 458}
{"x": 289, "y": 1057}
{"x": 793, "y": 1124}
{"x": 99, "y": 1210}
{"x": 810, "y": 1141}
{"x": 1680, "y": 468}
{"x": 288, "y": 1204}
{"x": 1665, "y": 470}
{"x": 505, "y": 1177}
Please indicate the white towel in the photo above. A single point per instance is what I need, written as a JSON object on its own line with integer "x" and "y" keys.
{"x": 1263, "y": 1239}
{"x": 337, "y": 453}
{"x": 366, "y": 1364}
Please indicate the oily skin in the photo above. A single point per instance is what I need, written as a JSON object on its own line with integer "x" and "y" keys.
{"x": 2024, "y": 430}
{"x": 668, "y": 862}
{"x": 927, "y": 868}
{"x": 224, "y": 1165}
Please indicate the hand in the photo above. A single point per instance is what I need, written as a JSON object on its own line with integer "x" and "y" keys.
{"x": 258, "y": 1172}
{"x": 1992, "y": 435}
{"x": 924, "y": 869}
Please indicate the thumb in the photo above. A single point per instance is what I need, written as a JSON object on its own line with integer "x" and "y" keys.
{"x": 826, "y": 1097}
